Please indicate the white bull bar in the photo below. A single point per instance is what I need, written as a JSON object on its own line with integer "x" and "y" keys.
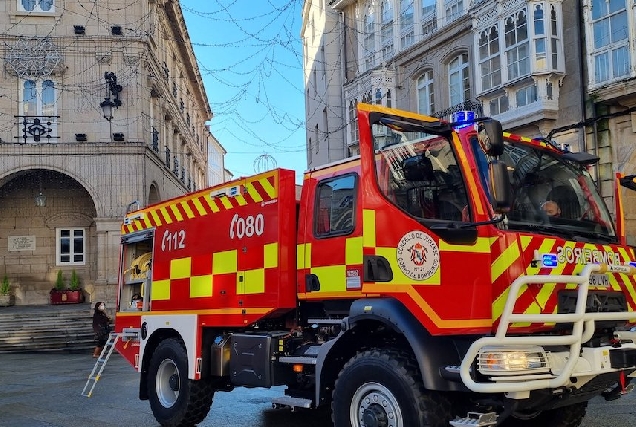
{"x": 582, "y": 331}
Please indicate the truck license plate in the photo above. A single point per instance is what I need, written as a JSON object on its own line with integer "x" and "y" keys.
{"x": 599, "y": 280}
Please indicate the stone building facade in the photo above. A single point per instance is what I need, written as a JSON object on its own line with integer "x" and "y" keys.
{"x": 528, "y": 63}
{"x": 101, "y": 105}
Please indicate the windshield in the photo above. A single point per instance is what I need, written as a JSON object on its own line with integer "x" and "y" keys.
{"x": 550, "y": 191}
{"x": 420, "y": 175}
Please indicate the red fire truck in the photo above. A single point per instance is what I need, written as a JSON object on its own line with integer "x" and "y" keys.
{"x": 452, "y": 274}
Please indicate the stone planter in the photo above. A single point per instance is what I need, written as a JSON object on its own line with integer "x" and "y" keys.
{"x": 66, "y": 296}
{"x": 6, "y": 300}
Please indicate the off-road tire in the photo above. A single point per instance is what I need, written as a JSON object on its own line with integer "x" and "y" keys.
{"x": 566, "y": 416}
{"x": 393, "y": 371}
{"x": 194, "y": 398}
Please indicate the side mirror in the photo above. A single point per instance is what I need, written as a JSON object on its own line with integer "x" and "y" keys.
{"x": 629, "y": 182}
{"x": 500, "y": 187}
{"x": 417, "y": 168}
{"x": 491, "y": 137}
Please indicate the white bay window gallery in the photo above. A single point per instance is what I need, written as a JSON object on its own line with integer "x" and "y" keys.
{"x": 516, "y": 53}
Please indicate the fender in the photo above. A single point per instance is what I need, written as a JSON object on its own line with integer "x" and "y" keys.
{"x": 432, "y": 353}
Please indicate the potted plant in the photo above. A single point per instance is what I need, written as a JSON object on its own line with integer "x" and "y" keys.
{"x": 61, "y": 294}
{"x": 6, "y": 298}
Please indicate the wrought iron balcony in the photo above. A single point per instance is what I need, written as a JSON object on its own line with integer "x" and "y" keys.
{"x": 37, "y": 128}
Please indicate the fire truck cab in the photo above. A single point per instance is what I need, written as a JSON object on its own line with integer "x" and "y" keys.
{"x": 452, "y": 274}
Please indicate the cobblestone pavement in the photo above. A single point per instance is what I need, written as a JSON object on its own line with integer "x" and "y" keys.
{"x": 43, "y": 390}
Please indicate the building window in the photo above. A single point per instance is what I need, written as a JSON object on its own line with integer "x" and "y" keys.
{"x": 429, "y": 17}
{"x": 386, "y": 30}
{"x": 454, "y": 9}
{"x": 610, "y": 53}
{"x": 38, "y": 98}
{"x": 489, "y": 58}
{"x": 407, "y": 29}
{"x": 425, "y": 98}
{"x": 369, "y": 39}
{"x": 353, "y": 122}
{"x": 498, "y": 105}
{"x": 335, "y": 206}
{"x": 526, "y": 95}
{"x": 36, "y": 5}
{"x": 459, "y": 79}
{"x": 71, "y": 246}
{"x": 517, "y": 48}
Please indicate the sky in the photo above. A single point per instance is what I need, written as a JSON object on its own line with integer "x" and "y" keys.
{"x": 249, "y": 53}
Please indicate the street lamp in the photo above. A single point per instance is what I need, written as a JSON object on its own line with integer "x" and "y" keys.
{"x": 107, "y": 108}
{"x": 40, "y": 199}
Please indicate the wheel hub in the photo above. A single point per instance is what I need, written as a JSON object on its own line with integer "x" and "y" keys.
{"x": 375, "y": 416}
{"x": 173, "y": 382}
{"x": 374, "y": 405}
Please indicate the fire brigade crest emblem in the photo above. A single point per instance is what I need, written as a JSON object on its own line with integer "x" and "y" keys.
{"x": 418, "y": 255}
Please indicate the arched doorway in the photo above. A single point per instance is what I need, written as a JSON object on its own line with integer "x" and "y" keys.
{"x": 47, "y": 219}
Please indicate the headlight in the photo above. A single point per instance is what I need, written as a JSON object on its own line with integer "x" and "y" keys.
{"x": 507, "y": 360}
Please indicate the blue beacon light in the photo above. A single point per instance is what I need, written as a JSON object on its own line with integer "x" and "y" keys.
{"x": 549, "y": 260}
{"x": 462, "y": 119}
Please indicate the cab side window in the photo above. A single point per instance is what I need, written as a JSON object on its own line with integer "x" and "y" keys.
{"x": 335, "y": 206}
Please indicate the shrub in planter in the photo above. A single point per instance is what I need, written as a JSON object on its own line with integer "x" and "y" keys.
{"x": 6, "y": 299}
{"x": 63, "y": 295}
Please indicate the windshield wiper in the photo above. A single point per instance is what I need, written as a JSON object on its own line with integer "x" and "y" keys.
{"x": 575, "y": 235}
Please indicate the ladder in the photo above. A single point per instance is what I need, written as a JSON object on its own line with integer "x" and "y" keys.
{"x": 101, "y": 361}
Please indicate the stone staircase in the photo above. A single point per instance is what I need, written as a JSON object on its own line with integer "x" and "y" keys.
{"x": 46, "y": 328}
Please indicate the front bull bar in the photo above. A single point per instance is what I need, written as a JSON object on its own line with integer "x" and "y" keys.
{"x": 582, "y": 331}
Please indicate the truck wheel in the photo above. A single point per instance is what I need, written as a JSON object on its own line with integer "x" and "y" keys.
{"x": 176, "y": 400}
{"x": 382, "y": 388}
{"x": 567, "y": 416}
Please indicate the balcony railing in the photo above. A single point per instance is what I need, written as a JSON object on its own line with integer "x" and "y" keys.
{"x": 37, "y": 128}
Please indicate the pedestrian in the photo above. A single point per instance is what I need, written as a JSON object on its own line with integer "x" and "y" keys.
{"x": 101, "y": 326}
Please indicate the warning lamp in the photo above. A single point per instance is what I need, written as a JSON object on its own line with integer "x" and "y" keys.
{"x": 493, "y": 361}
{"x": 298, "y": 369}
{"x": 461, "y": 119}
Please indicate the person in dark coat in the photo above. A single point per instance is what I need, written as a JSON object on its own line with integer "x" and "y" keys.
{"x": 101, "y": 326}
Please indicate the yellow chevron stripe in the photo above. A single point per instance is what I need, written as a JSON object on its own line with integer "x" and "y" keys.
{"x": 187, "y": 209}
{"x": 628, "y": 284}
{"x": 199, "y": 206}
{"x": 176, "y": 212}
{"x": 251, "y": 190}
{"x": 165, "y": 215}
{"x": 271, "y": 191}
{"x": 156, "y": 218}
{"x": 225, "y": 202}
{"x": 241, "y": 200}
{"x": 505, "y": 260}
{"x": 212, "y": 204}
{"x": 525, "y": 242}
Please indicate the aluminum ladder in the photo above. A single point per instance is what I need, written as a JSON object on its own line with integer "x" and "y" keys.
{"x": 101, "y": 361}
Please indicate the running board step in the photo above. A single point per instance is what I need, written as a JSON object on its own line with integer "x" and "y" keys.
{"x": 476, "y": 419}
{"x": 291, "y": 402}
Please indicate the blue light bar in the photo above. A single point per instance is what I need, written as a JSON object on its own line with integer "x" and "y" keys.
{"x": 462, "y": 119}
{"x": 549, "y": 260}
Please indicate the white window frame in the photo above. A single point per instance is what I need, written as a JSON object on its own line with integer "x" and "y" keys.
{"x": 37, "y": 6}
{"x": 71, "y": 254}
{"x": 610, "y": 48}
{"x": 407, "y": 26}
{"x": 41, "y": 109}
{"x": 368, "y": 40}
{"x": 463, "y": 70}
{"x": 425, "y": 91}
{"x": 488, "y": 59}
{"x": 521, "y": 64}
{"x": 428, "y": 18}
{"x": 453, "y": 10}
{"x": 386, "y": 29}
